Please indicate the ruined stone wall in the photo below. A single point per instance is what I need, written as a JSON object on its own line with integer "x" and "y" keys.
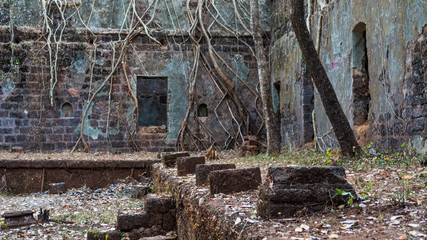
{"x": 86, "y": 56}
{"x": 395, "y": 69}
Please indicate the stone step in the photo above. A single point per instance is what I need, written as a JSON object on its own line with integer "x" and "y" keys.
{"x": 132, "y": 219}
{"x": 157, "y": 218}
{"x": 293, "y": 190}
{"x": 154, "y": 204}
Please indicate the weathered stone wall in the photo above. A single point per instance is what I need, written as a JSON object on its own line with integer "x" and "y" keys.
{"x": 414, "y": 110}
{"x": 396, "y": 67}
{"x": 86, "y": 58}
{"x": 28, "y": 118}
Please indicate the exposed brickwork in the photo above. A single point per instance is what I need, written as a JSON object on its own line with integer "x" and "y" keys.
{"x": 415, "y": 110}
{"x": 411, "y": 119}
{"x": 28, "y": 119}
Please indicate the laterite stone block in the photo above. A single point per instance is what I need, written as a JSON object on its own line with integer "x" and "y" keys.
{"x": 203, "y": 171}
{"x": 187, "y": 165}
{"x": 169, "y": 159}
{"x": 230, "y": 181}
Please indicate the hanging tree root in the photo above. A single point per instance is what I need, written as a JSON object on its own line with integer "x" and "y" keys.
{"x": 198, "y": 31}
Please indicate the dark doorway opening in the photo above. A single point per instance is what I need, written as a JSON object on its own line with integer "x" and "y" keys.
{"x": 361, "y": 95}
{"x": 152, "y": 93}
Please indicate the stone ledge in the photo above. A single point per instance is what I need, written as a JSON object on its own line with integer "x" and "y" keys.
{"x": 29, "y": 176}
{"x": 75, "y": 164}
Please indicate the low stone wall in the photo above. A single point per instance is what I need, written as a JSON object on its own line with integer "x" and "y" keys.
{"x": 197, "y": 216}
{"x": 27, "y": 176}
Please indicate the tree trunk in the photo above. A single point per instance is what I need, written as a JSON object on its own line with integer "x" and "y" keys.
{"x": 273, "y": 147}
{"x": 340, "y": 124}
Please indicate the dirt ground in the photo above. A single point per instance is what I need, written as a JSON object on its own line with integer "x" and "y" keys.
{"x": 392, "y": 190}
{"x": 73, "y": 213}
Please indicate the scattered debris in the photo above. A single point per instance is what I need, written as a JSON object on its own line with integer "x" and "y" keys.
{"x": 372, "y": 218}
{"x": 211, "y": 153}
{"x": 17, "y": 149}
{"x": 250, "y": 145}
{"x": 43, "y": 216}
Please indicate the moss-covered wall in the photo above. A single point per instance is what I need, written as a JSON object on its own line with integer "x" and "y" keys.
{"x": 81, "y": 54}
{"x": 391, "y": 27}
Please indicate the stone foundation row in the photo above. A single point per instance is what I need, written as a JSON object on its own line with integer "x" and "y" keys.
{"x": 221, "y": 178}
{"x": 198, "y": 190}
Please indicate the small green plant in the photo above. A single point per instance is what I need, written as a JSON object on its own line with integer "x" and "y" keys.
{"x": 347, "y": 197}
{"x": 367, "y": 188}
{"x": 402, "y": 196}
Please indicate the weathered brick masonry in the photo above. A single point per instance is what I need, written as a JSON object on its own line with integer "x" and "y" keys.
{"x": 28, "y": 119}
{"x": 386, "y": 54}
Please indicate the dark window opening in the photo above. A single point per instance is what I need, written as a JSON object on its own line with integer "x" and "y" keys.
{"x": 202, "y": 111}
{"x": 152, "y": 94}
{"x": 67, "y": 110}
{"x": 361, "y": 95}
